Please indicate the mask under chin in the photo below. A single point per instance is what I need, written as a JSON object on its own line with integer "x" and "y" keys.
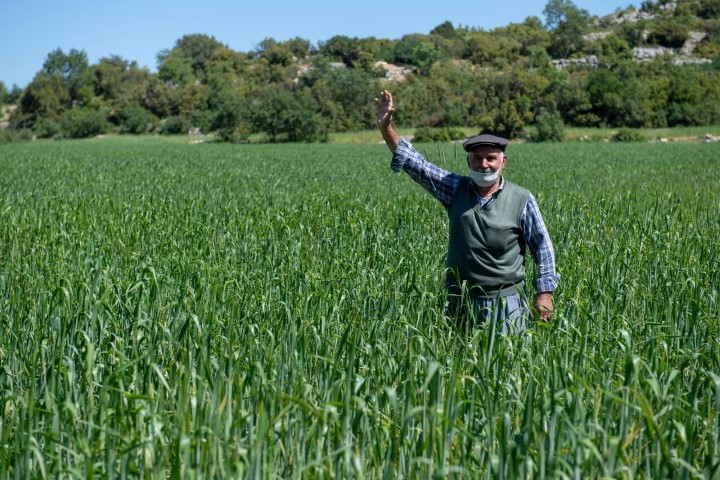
{"x": 485, "y": 179}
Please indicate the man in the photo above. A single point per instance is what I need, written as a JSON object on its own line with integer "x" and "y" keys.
{"x": 492, "y": 221}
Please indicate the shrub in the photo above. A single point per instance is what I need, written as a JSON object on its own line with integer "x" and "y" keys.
{"x": 669, "y": 34}
{"x": 85, "y": 122}
{"x": 627, "y": 135}
{"x": 550, "y": 127}
{"x": 47, "y": 128}
{"x": 135, "y": 119}
{"x": 10, "y": 135}
{"x": 173, "y": 126}
{"x": 445, "y": 134}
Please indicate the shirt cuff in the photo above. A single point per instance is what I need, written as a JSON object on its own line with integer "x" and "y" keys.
{"x": 546, "y": 284}
{"x": 400, "y": 156}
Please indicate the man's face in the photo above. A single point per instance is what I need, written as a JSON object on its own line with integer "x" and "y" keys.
{"x": 486, "y": 158}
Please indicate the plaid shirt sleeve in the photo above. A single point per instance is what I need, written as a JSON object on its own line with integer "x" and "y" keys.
{"x": 440, "y": 183}
{"x": 538, "y": 240}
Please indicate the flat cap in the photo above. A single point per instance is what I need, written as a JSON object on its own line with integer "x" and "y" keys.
{"x": 485, "y": 139}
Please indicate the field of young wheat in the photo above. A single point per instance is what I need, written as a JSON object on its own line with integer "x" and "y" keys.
{"x": 255, "y": 311}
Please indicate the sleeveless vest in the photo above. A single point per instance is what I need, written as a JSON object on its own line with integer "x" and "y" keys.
{"x": 486, "y": 246}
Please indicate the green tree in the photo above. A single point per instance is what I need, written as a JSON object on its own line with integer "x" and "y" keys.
{"x": 445, "y": 30}
{"x": 122, "y": 85}
{"x": 567, "y": 25}
{"x": 4, "y": 94}
{"x": 81, "y": 122}
{"x": 574, "y": 102}
{"x": 188, "y": 59}
{"x": 341, "y": 48}
{"x": 286, "y": 115}
{"x": 343, "y": 96}
{"x": 45, "y": 97}
{"x": 709, "y": 9}
{"x": 549, "y": 126}
{"x": 275, "y": 53}
{"x": 417, "y": 50}
{"x": 482, "y": 47}
{"x": 669, "y": 34}
{"x": 72, "y": 68}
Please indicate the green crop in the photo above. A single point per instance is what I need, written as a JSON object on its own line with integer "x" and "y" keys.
{"x": 219, "y": 311}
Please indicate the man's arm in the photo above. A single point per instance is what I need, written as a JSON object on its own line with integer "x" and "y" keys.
{"x": 538, "y": 240}
{"x": 439, "y": 182}
{"x": 385, "y": 112}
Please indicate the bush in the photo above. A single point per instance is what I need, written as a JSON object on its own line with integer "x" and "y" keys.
{"x": 85, "y": 122}
{"x": 445, "y": 134}
{"x": 627, "y": 135}
{"x": 550, "y": 127}
{"x": 47, "y": 128}
{"x": 10, "y": 135}
{"x": 135, "y": 119}
{"x": 669, "y": 34}
{"x": 173, "y": 126}
{"x": 709, "y": 9}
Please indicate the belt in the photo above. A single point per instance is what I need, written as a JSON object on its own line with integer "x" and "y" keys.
{"x": 480, "y": 292}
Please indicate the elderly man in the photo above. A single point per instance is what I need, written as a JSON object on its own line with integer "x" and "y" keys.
{"x": 492, "y": 221}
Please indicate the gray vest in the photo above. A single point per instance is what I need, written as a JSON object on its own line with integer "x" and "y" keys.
{"x": 486, "y": 247}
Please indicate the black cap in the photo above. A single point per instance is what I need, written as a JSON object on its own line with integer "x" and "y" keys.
{"x": 485, "y": 139}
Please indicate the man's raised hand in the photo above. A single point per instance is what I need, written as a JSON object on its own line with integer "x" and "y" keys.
{"x": 384, "y": 110}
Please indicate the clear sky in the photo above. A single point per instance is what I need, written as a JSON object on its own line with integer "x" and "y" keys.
{"x": 139, "y": 30}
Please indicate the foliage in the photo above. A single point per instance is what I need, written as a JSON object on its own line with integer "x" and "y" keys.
{"x": 136, "y": 119}
{"x": 286, "y": 115}
{"x": 173, "y": 125}
{"x": 628, "y": 135}
{"x": 444, "y": 134}
{"x": 188, "y": 59}
{"x": 568, "y": 25}
{"x": 549, "y": 127}
{"x": 10, "y": 135}
{"x": 82, "y": 122}
{"x": 47, "y": 128}
{"x": 453, "y": 76}
{"x": 709, "y": 9}
{"x": 669, "y": 34}
{"x": 4, "y": 94}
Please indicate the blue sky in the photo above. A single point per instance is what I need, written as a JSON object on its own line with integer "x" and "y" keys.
{"x": 138, "y": 30}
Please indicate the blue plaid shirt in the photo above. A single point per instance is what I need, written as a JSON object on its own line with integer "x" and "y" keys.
{"x": 442, "y": 184}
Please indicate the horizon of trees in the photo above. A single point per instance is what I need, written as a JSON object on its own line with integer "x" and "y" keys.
{"x": 500, "y": 80}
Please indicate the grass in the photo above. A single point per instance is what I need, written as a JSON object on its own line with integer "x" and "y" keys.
{"x": 276, "y": 311}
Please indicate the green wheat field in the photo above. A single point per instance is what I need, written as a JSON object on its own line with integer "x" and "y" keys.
{"x": 170, "y": 310}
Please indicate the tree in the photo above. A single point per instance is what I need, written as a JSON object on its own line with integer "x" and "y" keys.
{"x": 286, "y": 115}
{"x": 341, "y": 48}
{"x": 275, "y": 53}
{"x": 709, "y": 9}
{"x": 549, "y": 126}
{"x": 122, "y": 85}
{"x": 81, "y": 122}
{"x": 567, "y": 24}
{"x": 418, "y": 50}
{"x": 669, "y": 34}
{"x": 482, "y": 47}
{"x": 445, "y": 30}
{"x": 72, "y": 69}
{"x": 188, "y": 59}
{"x": 4, "y": 94}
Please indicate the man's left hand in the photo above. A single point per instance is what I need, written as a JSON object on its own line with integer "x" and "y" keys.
{"x": 544, "y": 306}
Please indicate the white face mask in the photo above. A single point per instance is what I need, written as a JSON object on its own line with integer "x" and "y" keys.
{"x": 485, "y": 179}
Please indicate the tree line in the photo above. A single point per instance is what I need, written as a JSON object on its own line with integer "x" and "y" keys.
{"x": 500, "y": 80}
